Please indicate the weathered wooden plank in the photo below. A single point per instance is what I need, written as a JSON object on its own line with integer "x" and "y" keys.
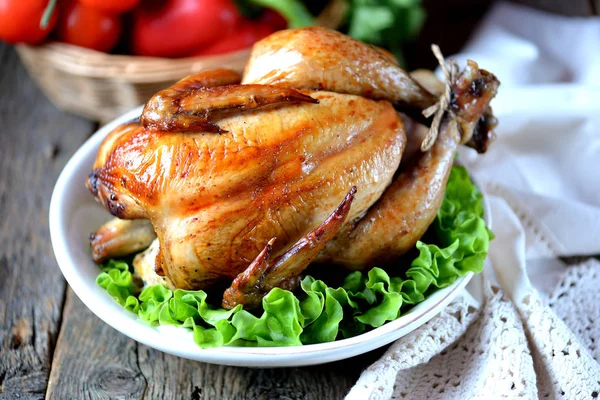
{"x": 94, "y": 361}
{"x": 35, "y": 142}
{"x": 172, "y": 378}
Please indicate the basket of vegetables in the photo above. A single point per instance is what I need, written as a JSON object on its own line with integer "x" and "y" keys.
{"x": 100, "y": 58}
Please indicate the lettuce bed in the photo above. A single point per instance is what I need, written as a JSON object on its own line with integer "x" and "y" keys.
{"x": 318, "y": 313}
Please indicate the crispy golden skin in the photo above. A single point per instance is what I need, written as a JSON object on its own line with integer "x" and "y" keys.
{"x": 119, "y": 237}
{"x": 319, "y": 58}
{"x": 193, "y": 103}
{"x": 216, "y": 200}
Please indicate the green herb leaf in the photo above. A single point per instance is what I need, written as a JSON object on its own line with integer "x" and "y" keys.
{"x": 116, "y": 280}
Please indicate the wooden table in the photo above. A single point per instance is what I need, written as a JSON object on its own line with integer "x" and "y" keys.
{"x": 51, "y": 345}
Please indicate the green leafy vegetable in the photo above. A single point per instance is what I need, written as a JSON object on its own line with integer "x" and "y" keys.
{"x": 320, "y": 313}
{"x": 294, "y": 11}
{"x": 116, "y": 280}
{"x": 386, "y": 23}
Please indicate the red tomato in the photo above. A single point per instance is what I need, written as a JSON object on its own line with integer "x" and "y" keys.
{"x": 181, "y": 26}
{"x": 20, "y": 21}
{"x": 114, "y": 6}
{"x": 87, "y": 27}
{"x": 273, "y": 18}
{"x": 243, "y": 37}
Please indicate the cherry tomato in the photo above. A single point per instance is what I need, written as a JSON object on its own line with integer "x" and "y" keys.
{"x": 20, "y": 21}
{"x": 114, "y": 6}
{"x": 243, "y": 37}
{"x": 181, "y": 26}
{"x": 273, "y": 19}
{"x": 88, "y": 27}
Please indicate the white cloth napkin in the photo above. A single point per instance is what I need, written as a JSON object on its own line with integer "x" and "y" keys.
{"x": 548, "y": 147}
{"x": 538, "y": 330}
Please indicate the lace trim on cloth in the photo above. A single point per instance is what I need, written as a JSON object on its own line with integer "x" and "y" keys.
{"x": 539, "y": 348}
{"x": 564, "y": 367}
{"x": 528, "y": 351}
{"x": 418, "y": 347}
{"x": 576, "y": 300}
{"x": 490, "y": 357}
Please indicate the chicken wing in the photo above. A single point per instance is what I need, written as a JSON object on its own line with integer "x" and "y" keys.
{"x": 118, "y": 238}
{"x": 264, "y": 273}
{"x": 192, "y": 103}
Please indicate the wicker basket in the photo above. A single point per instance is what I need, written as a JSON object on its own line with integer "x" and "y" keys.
{"x": 102, "y": 86}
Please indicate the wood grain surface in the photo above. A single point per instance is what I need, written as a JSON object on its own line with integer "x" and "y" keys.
{"x": 35, "y": 142}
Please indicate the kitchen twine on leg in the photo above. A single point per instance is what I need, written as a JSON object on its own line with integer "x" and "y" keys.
{"x": 450, "y": 70}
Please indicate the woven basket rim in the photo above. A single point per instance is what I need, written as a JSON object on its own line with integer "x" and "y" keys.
{"x": 90, "y": 63}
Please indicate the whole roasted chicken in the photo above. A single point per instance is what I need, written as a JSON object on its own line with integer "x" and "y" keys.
{"x": 248, "y": 179}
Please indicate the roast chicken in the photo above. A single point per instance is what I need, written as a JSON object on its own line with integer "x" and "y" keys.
{"x": 246, "y": 180}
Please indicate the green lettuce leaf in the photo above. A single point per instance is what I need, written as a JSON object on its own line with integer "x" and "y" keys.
{"x": 116, "y": 279}
{"x": 318, "y": 313}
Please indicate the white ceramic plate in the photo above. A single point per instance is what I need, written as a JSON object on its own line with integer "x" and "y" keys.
{"x": 74, "y": 214}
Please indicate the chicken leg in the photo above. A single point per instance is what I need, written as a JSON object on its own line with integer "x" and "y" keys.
{"x": 402, "y": 215}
